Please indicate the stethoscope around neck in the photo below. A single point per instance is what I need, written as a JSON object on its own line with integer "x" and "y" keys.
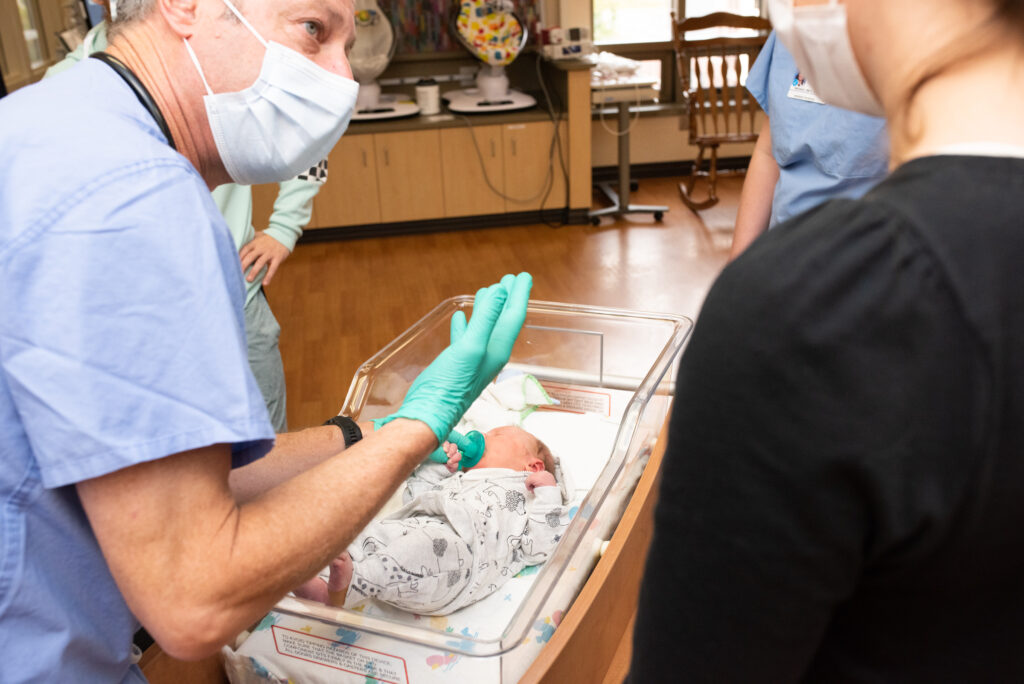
{"x": 144, "y": 96}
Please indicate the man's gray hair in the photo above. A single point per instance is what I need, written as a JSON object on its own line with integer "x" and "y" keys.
{"x": 125, "y": 11}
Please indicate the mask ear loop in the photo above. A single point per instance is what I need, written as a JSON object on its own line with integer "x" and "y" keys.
{"x": 245, "y": 22}
{"x": 195, "y": 61}
{"x": 192, "y": 54}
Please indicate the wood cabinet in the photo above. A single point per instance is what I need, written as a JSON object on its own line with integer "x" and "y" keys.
{"x": 263, "y": 197}
{"x": 409, "y": 175}
{"x": 433, "y": 174}
{"x": 516, "y": 159}
{"x": 466, "y": 156}
{"x": 350, "y": 197}
{"x": 528, "y": 158}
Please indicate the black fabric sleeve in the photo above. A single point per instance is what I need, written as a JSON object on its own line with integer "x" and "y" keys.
{"x": 804, "y": 402}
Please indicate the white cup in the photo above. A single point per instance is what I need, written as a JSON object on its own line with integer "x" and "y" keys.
{"x": 428, "y": 96}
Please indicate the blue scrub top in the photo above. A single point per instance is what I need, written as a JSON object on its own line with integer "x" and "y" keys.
{"x": 822, "y": 151}
{"x": 121, "y": 341}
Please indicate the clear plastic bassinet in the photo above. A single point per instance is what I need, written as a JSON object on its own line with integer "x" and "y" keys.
{"x": 617, "y": 364}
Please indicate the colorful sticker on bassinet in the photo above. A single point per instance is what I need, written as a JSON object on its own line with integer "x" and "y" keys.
{"x": 443, "y": 661}
{"x": 529, "y": 570}
{"x": 267, "y": 622}
{"x": 547, "y": 626}
{"x": 462, "y": 643}
{"x": 257, "y": 668}
{"x": 346, "y": 636}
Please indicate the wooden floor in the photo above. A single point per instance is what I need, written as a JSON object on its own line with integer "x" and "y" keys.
{"x": 340, "y": 302}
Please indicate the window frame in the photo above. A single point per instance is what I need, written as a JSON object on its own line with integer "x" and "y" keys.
{"x": 664, "y": 51}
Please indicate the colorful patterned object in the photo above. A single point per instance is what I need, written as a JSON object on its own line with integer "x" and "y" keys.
{"x": 443, "y": 661}
{"x": 490, "y": 30}
{"x": 547, "y": 626}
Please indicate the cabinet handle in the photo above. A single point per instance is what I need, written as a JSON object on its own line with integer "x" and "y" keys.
{"x": 387, "y": 160}
{"x": 514, "y": 147}
{"x": 364, "y": 158}
{"x": 494, "y": 152}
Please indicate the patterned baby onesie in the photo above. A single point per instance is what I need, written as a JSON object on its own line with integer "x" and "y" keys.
{"x": 457, "y": 539}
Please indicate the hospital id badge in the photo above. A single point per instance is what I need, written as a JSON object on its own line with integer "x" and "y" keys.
{"x": 799, "y": 89}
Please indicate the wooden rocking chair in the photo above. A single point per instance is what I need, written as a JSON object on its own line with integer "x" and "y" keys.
{"x": 713, "y": 74}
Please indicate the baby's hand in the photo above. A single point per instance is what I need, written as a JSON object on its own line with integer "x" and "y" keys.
{"x": 540, "y": 479}
{"x": 454, "y": 456}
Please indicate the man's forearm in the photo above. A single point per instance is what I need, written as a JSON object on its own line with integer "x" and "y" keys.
{"x": 312, "y": 517}
{"x": 293, "y": 453}
{"x": 197, "y": 567}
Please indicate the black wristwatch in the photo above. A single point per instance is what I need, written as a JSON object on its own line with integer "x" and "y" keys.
{"x": 349, "y": 429}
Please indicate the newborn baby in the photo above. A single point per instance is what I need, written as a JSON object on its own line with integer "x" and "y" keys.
{"x": 460, "y": 535}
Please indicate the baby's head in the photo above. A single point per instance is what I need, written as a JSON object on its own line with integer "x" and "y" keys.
{"x": 516, "y": 449}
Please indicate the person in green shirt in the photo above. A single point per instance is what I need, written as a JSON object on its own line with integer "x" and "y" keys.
{"x": 261, "y": 252}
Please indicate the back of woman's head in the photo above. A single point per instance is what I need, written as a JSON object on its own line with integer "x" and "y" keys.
{"x": 994, "y": 25}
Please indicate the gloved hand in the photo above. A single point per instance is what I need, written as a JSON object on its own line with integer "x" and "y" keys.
{"x": 479, "y": 349}
{"x": 470, "y": 445}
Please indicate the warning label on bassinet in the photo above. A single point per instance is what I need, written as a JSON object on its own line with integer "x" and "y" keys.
{"x": 578, "y": 400}
{"x": 362, "y": 662}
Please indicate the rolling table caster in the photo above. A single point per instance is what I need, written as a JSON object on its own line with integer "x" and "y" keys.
{"x": 620, "y": 200}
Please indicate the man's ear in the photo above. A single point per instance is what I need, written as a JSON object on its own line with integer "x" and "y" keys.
{"x": 535, "y": 465}
{"x": 181, "y": 15}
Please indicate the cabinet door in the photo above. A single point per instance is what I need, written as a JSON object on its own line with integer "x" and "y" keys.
{"x": 263, "y": 197}
{"x": 466, "y": 191}
{"x": 409, "y": 173}
{"x": 349, "y": 197}
{"x": 528, "y": 154}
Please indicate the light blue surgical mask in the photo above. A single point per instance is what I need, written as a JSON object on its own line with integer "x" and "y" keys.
{"x": 285, "y": 122}
{"x": 817, "y": 37}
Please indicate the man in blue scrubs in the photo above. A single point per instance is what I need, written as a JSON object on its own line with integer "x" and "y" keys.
{"x": 125, "y": 394}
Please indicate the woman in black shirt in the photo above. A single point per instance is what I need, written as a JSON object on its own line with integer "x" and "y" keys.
{"x": 843, "y": 486}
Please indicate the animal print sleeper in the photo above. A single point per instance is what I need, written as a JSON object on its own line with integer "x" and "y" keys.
{"x": 457, "y": 539}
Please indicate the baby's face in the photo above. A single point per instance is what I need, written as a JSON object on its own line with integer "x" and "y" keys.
{"x": 513, "y": 448}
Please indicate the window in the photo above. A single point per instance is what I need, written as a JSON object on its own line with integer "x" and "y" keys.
{"x": 632, "y": 21}
{"x": 29, "y": 27}
{"x": 698, "y": 8}
{"x": 647, "y": 21}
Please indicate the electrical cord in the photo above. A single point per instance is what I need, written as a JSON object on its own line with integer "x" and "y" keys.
{"x": 557, "y": 143}
{"x": 632, "y": 121}
{"x": 554, "y": 148}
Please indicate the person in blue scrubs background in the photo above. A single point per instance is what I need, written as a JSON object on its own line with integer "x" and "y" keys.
{"x": 807, "y": 151}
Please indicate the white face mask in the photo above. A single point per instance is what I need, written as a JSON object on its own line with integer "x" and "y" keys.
{"x": 285, "y": 122}
{"x": 817, "y": 38}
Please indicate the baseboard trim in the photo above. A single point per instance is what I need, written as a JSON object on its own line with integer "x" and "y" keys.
{"x": 517, "y": 218}
{"x": 604, "y": 174}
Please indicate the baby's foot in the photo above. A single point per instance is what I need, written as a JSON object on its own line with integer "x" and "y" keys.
{"x": 341, "y": 577}
{"x": 313, "y": 590}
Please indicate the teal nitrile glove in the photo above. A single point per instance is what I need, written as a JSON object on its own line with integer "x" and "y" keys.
{"x": 471, "y": 446}
{"x": 479, "y": 349}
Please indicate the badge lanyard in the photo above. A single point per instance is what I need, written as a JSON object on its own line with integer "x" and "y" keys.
{"x": 140, "y": 91}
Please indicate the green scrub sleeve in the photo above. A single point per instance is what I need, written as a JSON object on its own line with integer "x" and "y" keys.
{"x": 292, "y": 210}
{"x": 97, "y": 37}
